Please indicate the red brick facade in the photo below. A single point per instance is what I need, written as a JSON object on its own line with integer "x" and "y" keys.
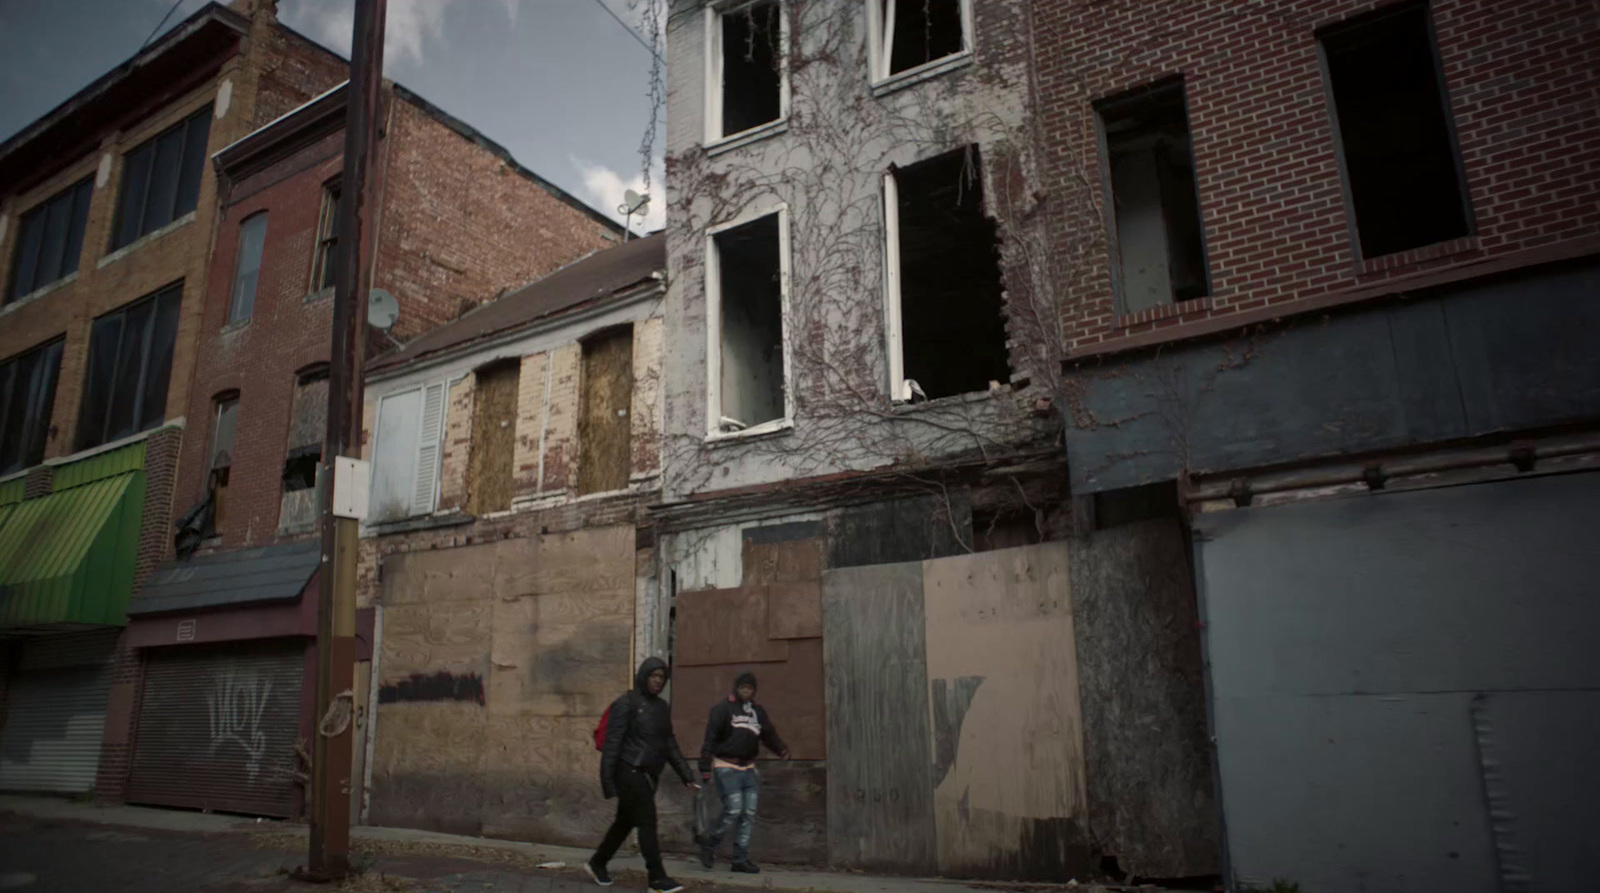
{"x": 456, "y": 225}
{"x": 1521, "y": 81}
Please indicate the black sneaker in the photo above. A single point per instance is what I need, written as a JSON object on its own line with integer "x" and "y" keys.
{"x": 708, "y": 856}
{"x": 746, "y": 867}
{"x": 599, "y": 873}
{"x": 665, "y": 885}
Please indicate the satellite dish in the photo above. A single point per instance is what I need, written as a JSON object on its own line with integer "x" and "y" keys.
{"x": 634, "y": 203}
{"x": 382, "y": 310}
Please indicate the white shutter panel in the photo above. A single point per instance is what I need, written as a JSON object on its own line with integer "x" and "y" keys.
{"x": 428, "y": 440}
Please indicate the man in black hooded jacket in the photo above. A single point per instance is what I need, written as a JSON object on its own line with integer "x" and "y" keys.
{"x": 639, "y": 743}
{"x": 735, "y": 732}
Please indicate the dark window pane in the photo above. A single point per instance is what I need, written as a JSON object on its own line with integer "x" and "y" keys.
{"x": 751, "y": 59}
{"x": 135, "y": 183}
{"x": 163, "y": 181}
{"x": 222, "y": 436}
{"x": 158, "y": 359}
{"x": 10, "y": 428}
{"x": 924, "y": 30}
{"x": 30, "y": 238}
{"x": 57, "y": 218}
{"x": 36, "y": 397}
{"x": 105, "y": 342}
{"x": 81, "y": 194}
{"x": 197, "y": 130}
{"x": 247, "y": 269}
{"x": 125, "y": 387}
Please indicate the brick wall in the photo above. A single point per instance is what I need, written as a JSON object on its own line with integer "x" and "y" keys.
{"x": 1521, "y": 80}
{"x": 460, "y": 224}
{"x": 162, "y": 450}
{"x": 457, "y": 452}
{"x": 122, "y": 722}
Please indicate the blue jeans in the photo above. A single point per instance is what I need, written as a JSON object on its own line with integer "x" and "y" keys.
{"x": 739, "y": 789}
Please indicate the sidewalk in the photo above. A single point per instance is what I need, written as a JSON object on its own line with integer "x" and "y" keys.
{"x": 403, "y": 842}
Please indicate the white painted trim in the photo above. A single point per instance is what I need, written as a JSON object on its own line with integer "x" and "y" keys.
{"x": 880, "y": 49}
{"x": 714, "y": 137}
{"x": 894, "y": 344}
{"x": 713, "y": 283}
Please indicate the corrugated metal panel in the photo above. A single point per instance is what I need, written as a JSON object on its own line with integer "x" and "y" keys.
{"x": 12, "y": 490}
{"x": 246, "y": 576}
{"x": 68, "y": 557}
{"x": 99, "y": 467}
{"x": 56, "y": 714}
{"x": 218, "y": 726}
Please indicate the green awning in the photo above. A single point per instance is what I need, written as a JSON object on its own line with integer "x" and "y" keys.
{"x": 11, "y": 491}
{"x": 68, "y": 557}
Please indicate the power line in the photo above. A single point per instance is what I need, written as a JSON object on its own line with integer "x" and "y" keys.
{"x": 628, "y": 28}
{"x": 163, "y": 21}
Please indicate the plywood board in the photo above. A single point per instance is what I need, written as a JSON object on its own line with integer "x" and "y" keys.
{"x": 880, "y": 786}
{"x": 1007, "y": 727}
{"x": 791, "y": 692}
{"x": 428, "y": 766}
{"x": 721, "y": 626}
{"x": 603, "y": 424}
{"x": 599, "y": 560}
{"x": 427, "y": 639}
{"x": 560, "y": 654}
{"x": 439, "y": 576}
{"x": 542, "y": 780}
{"x": 794, "y": 610}
{"x": 788, "y": 561}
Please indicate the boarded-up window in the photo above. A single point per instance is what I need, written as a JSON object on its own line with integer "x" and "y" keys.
{"x": 308, "y": 423}
{"x": 603, "y": 422}
{"x": 494, "y": 437}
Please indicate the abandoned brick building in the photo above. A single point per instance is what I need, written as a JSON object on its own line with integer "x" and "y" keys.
{"x": 513, "y": 452}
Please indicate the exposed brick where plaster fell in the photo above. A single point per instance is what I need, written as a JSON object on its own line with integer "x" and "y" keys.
{"x": 1521, "y": 82}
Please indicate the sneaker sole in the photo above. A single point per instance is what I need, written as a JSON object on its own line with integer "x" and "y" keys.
{"x": 589, "y": 870}
{"x": 676, "y": 889}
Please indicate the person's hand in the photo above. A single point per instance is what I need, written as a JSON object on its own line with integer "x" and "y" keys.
{"x": 693, "y": 786}
{"x": 705, "y": 778}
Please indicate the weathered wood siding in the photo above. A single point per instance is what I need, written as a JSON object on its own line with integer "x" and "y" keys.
{"x": 880, "y": 768}
{"x": 497, "y": 662}
{"x": 1007, "y": 730}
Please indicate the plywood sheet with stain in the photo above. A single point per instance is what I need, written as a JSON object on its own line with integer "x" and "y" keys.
{"x": 783, "y": 561}
{"x": 1007, "y": 728}
{"x": 1141, "y": 678}
{"x": 794, "y": 610}
{"x": 722, "y": 626}
{"x": 439, "y": 576}
{"x": 562, "y": 654}
{"x": 880, "y": 786}
{"x": 494, "y": 438}
{"x": 428, "y": 766}
{"x": 597, "y": 560}
{"x": 791, "y": 692}
{"x": 427, "y": 639}
{"x": 542, "y": 780}
{"x": 603, "y": 421}
{"x": 791, "y": 822}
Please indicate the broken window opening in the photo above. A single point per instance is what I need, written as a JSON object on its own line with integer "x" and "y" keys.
{"x": 406, "y": 453}
{"x": 494, "y": 437}
{"x": 605, "y": 417}
{"x": 27, "y": 394}
{"x": 220, "y": 462}
{"x": 327, "y": 258}
{"x": 947, "y": 334}
{"x": 161, "y": 178}
{"x": 909, "y": 34}
{"x": 49, "y": 240}
{"x": 748, "y": 79}
{"x": 308, "y": 423}
{"x": 1391, "y": 114}
{"x": 747, "y": 294}
{"x": 1158, "y": 247}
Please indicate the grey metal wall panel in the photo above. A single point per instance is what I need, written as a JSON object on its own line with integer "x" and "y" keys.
{"x": 54, "y": 723}
{"x": 880, "y": 764}
{"x": 1468, "y": 360}
{"x": 1348, "y": 639}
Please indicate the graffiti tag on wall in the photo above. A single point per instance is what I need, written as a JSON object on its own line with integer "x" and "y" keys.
{"x": 237, "y": 703}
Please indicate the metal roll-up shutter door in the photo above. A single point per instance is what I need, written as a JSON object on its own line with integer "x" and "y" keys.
{"x": 218, "y": 726}
{"x": 56, "y": 714}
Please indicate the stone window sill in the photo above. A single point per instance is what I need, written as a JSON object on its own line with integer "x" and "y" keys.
{"x": 40, "y": 292}
{"x": 925, "y": 72}
{"x": 146, "y": 239}
{"x": 747, "y": 137}
{"x": 1162, "y": 311}
{"x": 1373, "y": 266}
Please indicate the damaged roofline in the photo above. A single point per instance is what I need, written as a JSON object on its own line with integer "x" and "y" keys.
{"x": 644, "y": 289}
{"x": 138, "y": 60}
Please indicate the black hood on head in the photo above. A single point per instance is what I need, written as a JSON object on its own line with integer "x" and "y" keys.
{"x": 650, "y": 665}
{"x": 745, "y": 679}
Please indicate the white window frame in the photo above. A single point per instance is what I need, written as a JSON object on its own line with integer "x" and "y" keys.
{"x": 894, "y": 338}
{"x": 880, "y": 51}
{"x": 713, "y": 274}
{"x": 426, "y": 441}
{"x": 713, "y": 15}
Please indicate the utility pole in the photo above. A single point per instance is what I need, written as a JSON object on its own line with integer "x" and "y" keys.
{"x": 331, "y": 756}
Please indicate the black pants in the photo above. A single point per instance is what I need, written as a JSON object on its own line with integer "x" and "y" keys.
{"x": 636, "y": 808}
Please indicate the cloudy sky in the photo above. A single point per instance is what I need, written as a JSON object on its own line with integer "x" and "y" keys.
{"x": 558, "y": 82}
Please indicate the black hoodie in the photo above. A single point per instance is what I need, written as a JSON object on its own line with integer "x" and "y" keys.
{"x": 639, "y": 733}
{"x": 736, "y": 730}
